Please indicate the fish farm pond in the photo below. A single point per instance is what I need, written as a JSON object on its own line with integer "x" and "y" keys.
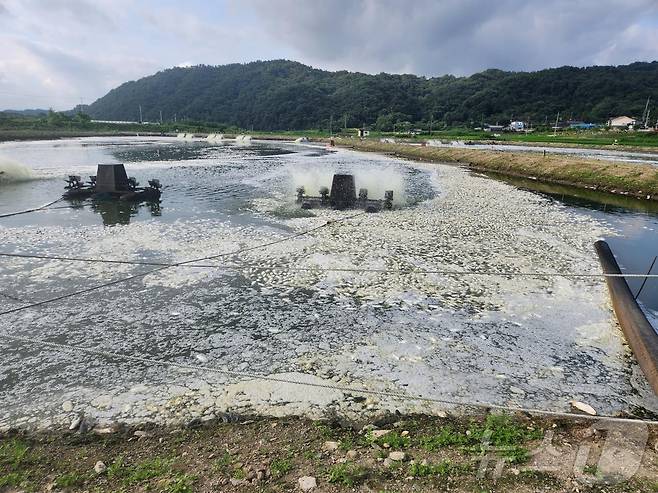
{"x": 440, "y": 298}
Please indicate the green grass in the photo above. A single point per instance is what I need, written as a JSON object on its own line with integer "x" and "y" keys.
{"x": 71, "y": 479}
{"x": 223, "y": 463}
{"x": 281, "y": 467}
{"x": 13, "y": 453}
{"x": 347, "y": 443}
{"x": 142, "y": 471}
{"x": 347, "y": 475}
{"x": 180, "y": 483}
{"x": 325, "y": 430}
{"x": 443, "y": 468}
{"x": 12, "y": 479}
{"x": 505, "y": 430}
{"x": 393, "y": 439}
{"x": 446, "y": 437}
{"x": 499, "y": 431}
{"x": 312, "y": 455}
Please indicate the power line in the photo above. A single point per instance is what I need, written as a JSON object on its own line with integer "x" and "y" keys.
{"x": 177, "y": 264}
{"x": 445, "y": 272}
{"x": 382, "y": 393}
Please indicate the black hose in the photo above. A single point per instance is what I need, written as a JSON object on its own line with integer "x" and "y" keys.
{"x": 10, "y": 214}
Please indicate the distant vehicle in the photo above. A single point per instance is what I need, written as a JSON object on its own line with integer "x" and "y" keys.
{"x": 517, "y": 126}
{"x": 582, "y": 125}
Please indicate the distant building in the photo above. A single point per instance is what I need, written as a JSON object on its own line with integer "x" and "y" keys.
{"x": 621, "y": 122}
{"x": 517, "y": 126}
{"x": 494, "y": 128}
{"x": 362, "y": 132}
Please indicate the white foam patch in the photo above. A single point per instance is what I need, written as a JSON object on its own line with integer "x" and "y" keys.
{"x": 464, "y": 336}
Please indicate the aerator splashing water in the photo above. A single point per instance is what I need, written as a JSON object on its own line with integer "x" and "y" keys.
{"x": 343, "y": 196}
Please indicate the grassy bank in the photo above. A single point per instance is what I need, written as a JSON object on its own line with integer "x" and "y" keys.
{"x": 586, "y": 138}
{"x": 58, "y": 126}
{"x": 14, "y": 135}
{"x": 638, "y": 180}
{"x": 271, "y": 455}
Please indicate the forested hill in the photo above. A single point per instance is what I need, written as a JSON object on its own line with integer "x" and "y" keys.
{"x": 281, "y": 95}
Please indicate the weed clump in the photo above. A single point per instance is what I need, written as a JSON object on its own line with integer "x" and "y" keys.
{"x": 499, "y": 433}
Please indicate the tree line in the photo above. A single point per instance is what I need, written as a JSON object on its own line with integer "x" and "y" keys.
{"x": 286, "y": 95}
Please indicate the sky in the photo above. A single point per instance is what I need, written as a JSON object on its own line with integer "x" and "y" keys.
{"x": 60, "y": 53}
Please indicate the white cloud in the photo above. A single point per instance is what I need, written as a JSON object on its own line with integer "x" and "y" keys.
{"x": 86, "y": 48}
{"x": 56, "y": 52}
{"x": 463, "y": 36}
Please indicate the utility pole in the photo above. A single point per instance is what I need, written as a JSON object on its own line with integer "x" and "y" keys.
{"x": 160, "y": 117}
{"x": 345, "y": 122}
{"x": 140, "y": 113}
{"x": 645, "y": 115}
{"x": 175, "y": 117}
{"x": 331, "y": 125}
{"x": 431, "y": 122}
{"x": 557, "y": 119}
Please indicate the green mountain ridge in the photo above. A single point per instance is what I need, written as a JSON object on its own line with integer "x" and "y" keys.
{"x": 285, "y": 95}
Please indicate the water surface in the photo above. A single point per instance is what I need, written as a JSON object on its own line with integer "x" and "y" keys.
{"x": 530, "y": 341}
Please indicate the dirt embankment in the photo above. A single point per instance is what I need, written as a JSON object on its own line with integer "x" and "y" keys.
{"x": 638, "y": 180}
{"x": 494, "y": 453}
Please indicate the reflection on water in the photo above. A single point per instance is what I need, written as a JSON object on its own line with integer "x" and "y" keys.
{"x": 120, "y": 211}
{"x": 582, "y": 197}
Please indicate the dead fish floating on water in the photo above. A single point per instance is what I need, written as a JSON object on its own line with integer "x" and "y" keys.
{"x": 111, "y": 183}
{"x": 343, "y": 196}
{"x": 585, "y": 408}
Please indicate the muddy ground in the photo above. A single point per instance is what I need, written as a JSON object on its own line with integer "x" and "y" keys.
{"x": 494, "y": 453}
